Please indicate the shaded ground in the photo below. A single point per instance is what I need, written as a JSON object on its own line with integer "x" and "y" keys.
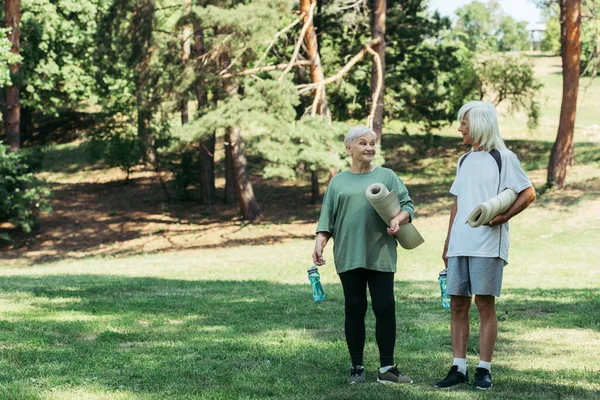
{"x": 96, "y": 214}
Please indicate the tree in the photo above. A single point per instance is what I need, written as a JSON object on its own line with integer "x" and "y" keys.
{"x": 571, "y": 52}
{"x": 320, "y": 106}
{"x": 12, "y": 20}
{"x": 508, "y": 78}
{"x": 478, "y": 23}
{"x": 378, "y": 68}
{"x": 512, "y": 35}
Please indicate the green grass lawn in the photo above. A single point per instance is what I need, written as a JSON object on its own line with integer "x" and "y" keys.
{"x": 240, "y": 322}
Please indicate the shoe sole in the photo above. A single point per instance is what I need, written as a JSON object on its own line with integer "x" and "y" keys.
{"x": 450, "y": 387}
{"x": 390, "y": 382}
{"x": 483, "y": 388}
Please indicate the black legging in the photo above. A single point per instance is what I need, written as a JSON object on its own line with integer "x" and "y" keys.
{"x": 381, "y": 288}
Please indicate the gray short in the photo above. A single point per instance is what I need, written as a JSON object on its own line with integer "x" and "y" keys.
{"x": 475, "y": 275}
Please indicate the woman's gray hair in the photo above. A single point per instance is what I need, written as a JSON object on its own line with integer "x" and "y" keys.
{"x": 356, "y": 132}
{"x": 483, "y": 124}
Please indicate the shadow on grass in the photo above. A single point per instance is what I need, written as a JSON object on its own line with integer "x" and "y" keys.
{"x": 218, "y": 339}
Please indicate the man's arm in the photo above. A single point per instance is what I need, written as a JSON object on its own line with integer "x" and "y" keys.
{"x": 453, "y": 211}
{"x": 525, "y": 198}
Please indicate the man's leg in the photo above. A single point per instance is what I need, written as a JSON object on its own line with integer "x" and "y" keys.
{"x": 488, "y": 331}
{"x": 459, "y": 286}
{"x": 459, "y": 307}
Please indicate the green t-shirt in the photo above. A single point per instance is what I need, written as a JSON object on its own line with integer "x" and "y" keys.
{"x": 360, "y": 238}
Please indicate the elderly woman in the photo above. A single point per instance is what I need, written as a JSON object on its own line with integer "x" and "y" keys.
{"x": 364, "y": 252}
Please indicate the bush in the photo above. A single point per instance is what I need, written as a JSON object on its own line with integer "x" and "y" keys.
{"x": 22, "y": 196}
{"x": 116, "y": 144}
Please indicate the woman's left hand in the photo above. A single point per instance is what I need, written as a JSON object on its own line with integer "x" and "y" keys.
{"x": 402, "y": 218}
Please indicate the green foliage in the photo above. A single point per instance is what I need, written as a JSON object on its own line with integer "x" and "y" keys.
{"x": 422, "y": 63}
{"x": 312, "y": 142}
{"x": 484, "y": 27}
{"x": 115, "y": 143}
{"x": 57, "y": 44}
{"x": 6, "y": 58}
{"x": 477, "y": 25}
{"x": 22, "y": 196}
{"x": 510, "y": 78}
{"x": 512, "y": 35}
{"x": 551, "y": 40}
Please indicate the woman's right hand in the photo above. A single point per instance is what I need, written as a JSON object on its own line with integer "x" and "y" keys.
{"x": 320, "y": 243}
{"x": 318, "y": 255}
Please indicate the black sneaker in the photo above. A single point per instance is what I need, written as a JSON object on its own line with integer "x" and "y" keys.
{"x": 357, "y": 375}
{"x": 483, "y": 379}
{"x": 454, "y": 377}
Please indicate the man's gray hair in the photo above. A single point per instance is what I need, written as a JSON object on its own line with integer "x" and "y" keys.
{"x": 356, "y": 132}
{"x": 483, "y": 124}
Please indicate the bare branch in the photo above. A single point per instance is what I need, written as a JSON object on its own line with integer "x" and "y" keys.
{"x": 375, "y": 98}
{"x": 281, "y": 32}
{"x": 315, "y": 103}
{"x": 266, "y": 68}
{"x": 300, "y": 39}
{"x": 310, "y": 86}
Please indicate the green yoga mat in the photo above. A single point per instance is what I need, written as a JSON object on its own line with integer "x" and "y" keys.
{"x": 387, "y": 206}
{"x": 486, "y": 211}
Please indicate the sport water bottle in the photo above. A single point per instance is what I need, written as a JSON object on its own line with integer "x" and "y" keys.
{"x": 443, "y": 280}
{"x": 315, "y": 281}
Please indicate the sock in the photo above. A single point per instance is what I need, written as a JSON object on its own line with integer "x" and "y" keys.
{"x": 461, "y": 363}
{"x": 485, "y": 364}
{"x": 358, "y": 366}
{"x": 383, "y": 370}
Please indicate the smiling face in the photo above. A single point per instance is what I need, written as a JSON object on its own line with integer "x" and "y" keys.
{"x": 363, "y": 149}
{"x": 464, "y": 129}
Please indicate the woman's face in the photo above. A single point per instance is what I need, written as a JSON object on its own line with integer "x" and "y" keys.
{"x": 363, "y": 149}
{"x": 464, "y": 129}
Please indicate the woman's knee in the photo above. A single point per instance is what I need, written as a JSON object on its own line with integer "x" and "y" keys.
{"x": 356, "y": 306}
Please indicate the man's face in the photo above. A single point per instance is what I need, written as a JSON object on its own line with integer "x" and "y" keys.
{"x": 464, "y": 129}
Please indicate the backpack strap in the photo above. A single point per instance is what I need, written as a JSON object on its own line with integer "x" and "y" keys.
{"x": 494, "y": 153}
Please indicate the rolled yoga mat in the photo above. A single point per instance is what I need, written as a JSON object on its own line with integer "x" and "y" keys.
{"x": 387, "y": 206}
{"x": 486, "y": 211}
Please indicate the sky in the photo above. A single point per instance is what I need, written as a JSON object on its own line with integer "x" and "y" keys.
{"x": 521, "y": 10}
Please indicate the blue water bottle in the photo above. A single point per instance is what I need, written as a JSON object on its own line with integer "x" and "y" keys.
{"x": 443, "y": 280}
{"x": 315, "y": 281}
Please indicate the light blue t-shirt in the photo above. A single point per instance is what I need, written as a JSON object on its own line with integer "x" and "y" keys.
{"x": 477, "y": 180}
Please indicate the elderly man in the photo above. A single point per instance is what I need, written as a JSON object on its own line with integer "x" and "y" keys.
{"x": 475, "y": 257}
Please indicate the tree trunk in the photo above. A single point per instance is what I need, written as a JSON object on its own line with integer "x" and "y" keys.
{"x": 245, "y": 194}
{"x": 144, "y": 127}
{"x": 12, "y": 15}
{"x": 207, "y": 171}
{"x": 571, "y": 52}
{"x": 314, "y": 187}
{"x": 207, "y": 146}
{"x": 229, "y": 178}
{"x": 316, "y": 70}
{"x": 378, "y": 32}
{"x": 185, "y": 56}
{"x": 143, "y": 24}
{"x": 320, "y": 106}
